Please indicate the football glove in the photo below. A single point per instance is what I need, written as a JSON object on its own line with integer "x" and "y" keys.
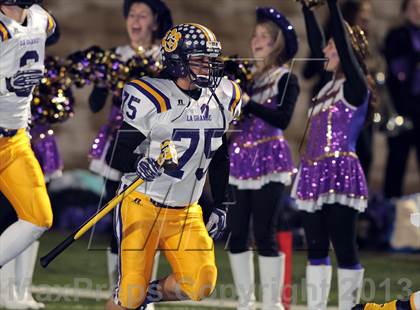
{"x": 148, "y": 169}
{"x": 23, "y": 81}
{"x": 216, "y": 223}
{"x": 26, "y": 78}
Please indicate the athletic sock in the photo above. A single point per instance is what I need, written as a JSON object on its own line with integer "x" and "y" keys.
{"x": 16, "y": 238}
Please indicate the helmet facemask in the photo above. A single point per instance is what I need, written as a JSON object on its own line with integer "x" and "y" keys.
{"x": 204, "y": 70}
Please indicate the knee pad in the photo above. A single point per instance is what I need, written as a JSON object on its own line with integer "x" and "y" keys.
{"x": 43, "y": 215}
{"x": 37, "y": 209}
{"x": 46, "y": 222}
{"x": 203, "y": 284}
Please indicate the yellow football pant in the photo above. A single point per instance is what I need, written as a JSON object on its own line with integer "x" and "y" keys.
{"x": 142, "y": 228}
{"x": 22, "y": 181}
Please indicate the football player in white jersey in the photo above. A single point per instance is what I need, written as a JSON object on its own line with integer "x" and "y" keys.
{"x": 147, "y": 22}
{"x": 193, "y": 106}
{"x": 24, "y": 28}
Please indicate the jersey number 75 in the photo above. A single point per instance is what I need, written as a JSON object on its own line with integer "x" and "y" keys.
{"x": 194, "y": 136}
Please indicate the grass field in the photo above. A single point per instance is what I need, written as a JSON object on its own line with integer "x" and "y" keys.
{"x": 387, "y": 275}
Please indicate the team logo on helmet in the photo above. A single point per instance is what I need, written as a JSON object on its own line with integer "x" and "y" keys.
{"x": 170, "y": 41}
{"x": 188, "y": 46}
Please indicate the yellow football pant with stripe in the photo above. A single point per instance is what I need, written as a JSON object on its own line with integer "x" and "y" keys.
{"x": 22, "y": 180}
{"x": 142, "y": 228}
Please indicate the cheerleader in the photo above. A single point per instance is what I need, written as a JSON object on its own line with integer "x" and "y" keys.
{"x": 330, "y": 188}
{"x": 260, "y": 160}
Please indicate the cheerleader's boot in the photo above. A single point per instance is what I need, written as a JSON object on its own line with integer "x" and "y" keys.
{"x": 272, "y": 279}
{"x": 242, "y": 266}
{"x": 350, "y": 283}
{"x": 318, "y": 284}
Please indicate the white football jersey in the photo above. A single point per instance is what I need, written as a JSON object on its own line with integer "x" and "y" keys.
{"x": 21, "y": 47}
{"x": 161, "y": 111}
